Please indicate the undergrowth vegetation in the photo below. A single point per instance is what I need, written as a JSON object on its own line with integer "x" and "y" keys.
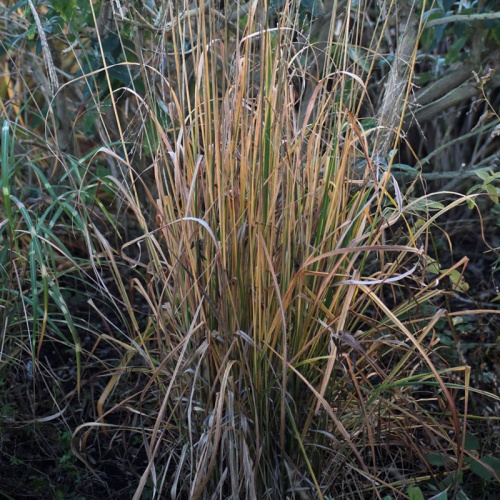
{"x": 221, "y": 276}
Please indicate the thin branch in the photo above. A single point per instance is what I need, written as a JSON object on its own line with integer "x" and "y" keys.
{"x": 460, "y": 174}
{"x": 464, "y": 18}
{"x": 464, "y": 137}
{"x": 459, "y": 95}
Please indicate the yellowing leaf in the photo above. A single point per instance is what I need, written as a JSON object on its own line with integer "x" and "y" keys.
{"x": 458, "y": 282}
{"x": 433, "y": 266}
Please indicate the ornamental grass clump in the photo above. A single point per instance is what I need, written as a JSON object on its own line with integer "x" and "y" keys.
{"x": 289, "y": 347}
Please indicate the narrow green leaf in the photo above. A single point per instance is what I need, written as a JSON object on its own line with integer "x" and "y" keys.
{"x": 435, "y": 459}
{"x": 6, "y": 171}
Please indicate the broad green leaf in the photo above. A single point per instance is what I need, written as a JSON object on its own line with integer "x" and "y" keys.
{"x": 484, "y": 175}
{"x": 492, "y": 190}
{"x": 471, "y": 442}
{"x": 415, "y": 493}
{"x": 435, "y": 459}
{"x": 358, "y": 55}
{"x": 66, "y": 8}
{"x": 480, "y": 470}
{"x": 455, "y": 50}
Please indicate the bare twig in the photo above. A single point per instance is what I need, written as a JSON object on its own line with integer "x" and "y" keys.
{"x": 463, "y": 18}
